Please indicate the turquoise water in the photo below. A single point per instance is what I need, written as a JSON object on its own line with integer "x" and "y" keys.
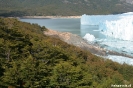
{"x": 62, "y": 25}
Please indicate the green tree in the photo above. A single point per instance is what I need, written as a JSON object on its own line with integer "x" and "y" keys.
{"x": 27, "y": 73}
{"x": 65, "y": 75}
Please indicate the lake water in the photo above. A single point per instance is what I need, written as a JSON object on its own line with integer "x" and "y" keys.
{"x": 62, "y": 25}
{"x": 73, "y": 26}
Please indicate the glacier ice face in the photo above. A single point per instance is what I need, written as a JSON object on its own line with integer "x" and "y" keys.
{"x": 118, "y": 26}
{"x": 120, "y": 29}
{"x": 97, "y": 19}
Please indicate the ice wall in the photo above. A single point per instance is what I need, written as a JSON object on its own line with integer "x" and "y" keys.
{"x": 118, "y": 26}
{"x": 120, "y": 29}
{"x": 96, "y": 19}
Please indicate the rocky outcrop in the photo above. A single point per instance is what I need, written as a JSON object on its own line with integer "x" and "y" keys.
{"x": 76, "y": 40}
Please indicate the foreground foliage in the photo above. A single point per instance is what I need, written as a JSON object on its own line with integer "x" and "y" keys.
{"x": 29, "y": 59}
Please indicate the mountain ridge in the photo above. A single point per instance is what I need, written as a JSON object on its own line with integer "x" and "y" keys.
{"x": 63, "y": 7}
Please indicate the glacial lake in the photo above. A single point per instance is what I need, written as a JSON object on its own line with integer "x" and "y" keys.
{"x": 72, "y": 25}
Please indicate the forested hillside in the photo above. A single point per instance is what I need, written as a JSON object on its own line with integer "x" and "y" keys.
{"x": 63, "y": 7}
{"x": 29, "y": 59}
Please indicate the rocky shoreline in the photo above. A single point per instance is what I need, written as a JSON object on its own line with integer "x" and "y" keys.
{"x": 76, "y": 40}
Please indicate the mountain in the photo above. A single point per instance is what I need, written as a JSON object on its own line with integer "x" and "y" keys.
{"x": 63, "y": 7}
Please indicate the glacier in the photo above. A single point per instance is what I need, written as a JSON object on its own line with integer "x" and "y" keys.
{"x": 111, "y": 32}
{"x": 119, "y": 26}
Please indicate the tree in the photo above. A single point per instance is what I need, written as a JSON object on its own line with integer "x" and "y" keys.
{"x": 27, "y": 73}
{"x": 65, "y": 75}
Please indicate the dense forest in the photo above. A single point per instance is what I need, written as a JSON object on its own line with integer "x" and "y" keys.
{"x": 63, "y": 7}
{"x": 30, "y": 59}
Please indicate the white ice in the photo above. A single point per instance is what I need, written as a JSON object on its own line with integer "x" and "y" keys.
{"x": 118, "y": 26}
{"x": 121, "y": 29}
{"x": 89, "y": 37}
{"x": 117, "y": 45}
{"x": 118, "y": 30}
{"x": 121, "y": 59}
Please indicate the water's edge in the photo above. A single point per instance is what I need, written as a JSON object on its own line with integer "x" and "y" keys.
{"x": 78, "y": 41}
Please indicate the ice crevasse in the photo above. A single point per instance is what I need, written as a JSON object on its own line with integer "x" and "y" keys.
{"x": 118, "y": 26}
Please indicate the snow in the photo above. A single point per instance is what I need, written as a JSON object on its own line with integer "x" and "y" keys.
{"x": 89, "y": 37}
{"x": 118, "y": 26}
{"x": 121, "y": 59}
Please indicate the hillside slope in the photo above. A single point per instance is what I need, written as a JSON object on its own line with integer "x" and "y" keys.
{"x": 30, "y": 59}
{"x": 63, "y": 7}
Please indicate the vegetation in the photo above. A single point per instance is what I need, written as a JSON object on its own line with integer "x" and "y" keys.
{"x": 29, "y": 59}
{"x": 62, "y": 7}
